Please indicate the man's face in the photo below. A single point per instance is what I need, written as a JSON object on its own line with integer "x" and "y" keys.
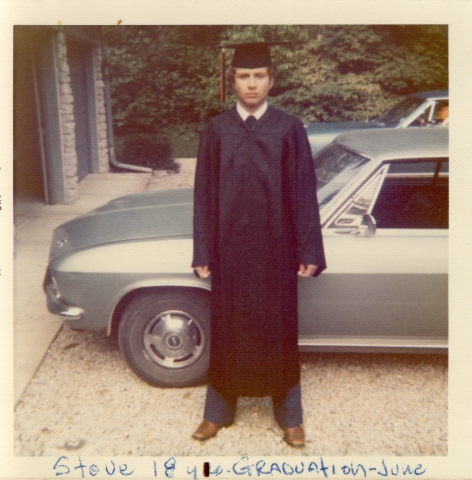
{"x": 252, "y": 86}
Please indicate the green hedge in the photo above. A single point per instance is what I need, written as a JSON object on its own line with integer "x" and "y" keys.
{"x": 146, "y": 150}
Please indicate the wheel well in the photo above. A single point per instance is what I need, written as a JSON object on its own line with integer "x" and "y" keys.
{"x": 123, "y": 303}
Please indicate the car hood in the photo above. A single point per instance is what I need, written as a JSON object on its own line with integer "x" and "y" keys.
{"x": 138, "y": 216}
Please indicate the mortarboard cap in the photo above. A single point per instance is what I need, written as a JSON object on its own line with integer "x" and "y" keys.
{"x": 251, "y": 55}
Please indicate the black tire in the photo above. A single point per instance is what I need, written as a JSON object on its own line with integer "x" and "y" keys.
{"x": 164, "y": 335}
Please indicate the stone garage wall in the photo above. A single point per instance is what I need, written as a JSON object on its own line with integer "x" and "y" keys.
{"x": 67, "y": 121}
{"x": 103, "y": 151}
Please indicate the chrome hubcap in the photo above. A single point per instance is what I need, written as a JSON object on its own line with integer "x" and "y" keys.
{"x": 174, "y": 339}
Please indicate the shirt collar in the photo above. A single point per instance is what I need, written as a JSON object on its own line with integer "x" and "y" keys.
{"x": 244, "y": 114}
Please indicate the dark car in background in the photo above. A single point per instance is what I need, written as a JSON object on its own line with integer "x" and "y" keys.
{"x": 416, "y": 110}
{"x": 124, "y": 268}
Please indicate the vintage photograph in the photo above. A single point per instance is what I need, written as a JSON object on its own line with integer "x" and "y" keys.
{"x": 231, "y": 240}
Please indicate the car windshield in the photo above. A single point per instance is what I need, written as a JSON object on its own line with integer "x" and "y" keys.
{"x": 400, "y": 111}
{"x": 335, "y": 168}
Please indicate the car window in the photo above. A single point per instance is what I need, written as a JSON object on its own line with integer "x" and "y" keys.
{"x": 411, "y": 168}
{"x": 335, "y": 168}
{"x": 352, "y": 214}
{"x": 441, "y": 111}
{"x": 414, "y": 195}
{"x": 400, "y": 111}
{"x": 444, "y": 167}
{"x": 423, "y": 119}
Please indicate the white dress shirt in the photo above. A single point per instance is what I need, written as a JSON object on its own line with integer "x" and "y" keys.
{"x": 244, "y": 113}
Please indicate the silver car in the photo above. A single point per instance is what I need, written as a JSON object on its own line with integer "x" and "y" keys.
{"x": 124, "y": 268}
{"x": 421, "y": 109}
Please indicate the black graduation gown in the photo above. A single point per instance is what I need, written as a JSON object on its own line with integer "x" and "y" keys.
{"x": 256, "y": 219}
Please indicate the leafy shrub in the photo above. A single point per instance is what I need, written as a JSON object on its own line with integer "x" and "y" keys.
{"x": 151, "y": 150}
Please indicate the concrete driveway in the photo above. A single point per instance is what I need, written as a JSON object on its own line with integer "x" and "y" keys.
{"x": 34, "y": 327}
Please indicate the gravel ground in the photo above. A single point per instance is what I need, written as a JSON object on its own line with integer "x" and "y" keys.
{"x": 161, "y": 180}
{"x": 85, "y": 399}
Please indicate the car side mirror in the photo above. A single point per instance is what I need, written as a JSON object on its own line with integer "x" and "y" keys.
{"x": 369, "y": 225}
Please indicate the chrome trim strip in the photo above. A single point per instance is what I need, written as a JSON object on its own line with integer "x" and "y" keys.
{"x": 365, "y": 342}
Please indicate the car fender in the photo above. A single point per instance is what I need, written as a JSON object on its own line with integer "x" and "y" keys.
{"x": 186, "y": 282}
{"x": 120, "y": 268}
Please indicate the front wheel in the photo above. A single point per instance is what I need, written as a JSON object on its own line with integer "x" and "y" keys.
{"x": 164, "y": 335}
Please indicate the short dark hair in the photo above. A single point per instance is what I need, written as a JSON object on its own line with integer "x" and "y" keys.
{"x": 272, "y": 71}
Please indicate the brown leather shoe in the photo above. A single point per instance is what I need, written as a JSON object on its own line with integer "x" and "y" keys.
{"x": 207, "y": 430}
{"x": 295, "y": 436}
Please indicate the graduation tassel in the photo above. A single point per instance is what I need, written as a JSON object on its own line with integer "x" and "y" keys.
{"x": 222, "y": 76}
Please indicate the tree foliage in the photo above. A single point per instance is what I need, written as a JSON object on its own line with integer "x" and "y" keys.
{"x": 166, "y": 78}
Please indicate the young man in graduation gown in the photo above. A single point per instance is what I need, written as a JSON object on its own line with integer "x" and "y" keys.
{"x": 256, "y": 229}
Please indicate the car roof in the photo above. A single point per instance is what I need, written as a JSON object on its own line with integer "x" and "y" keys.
{"x": 433, "y": 94}
{"x": 391, "y": 143}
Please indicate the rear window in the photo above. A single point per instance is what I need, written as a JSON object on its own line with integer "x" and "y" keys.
{"x": 335, "y": 168}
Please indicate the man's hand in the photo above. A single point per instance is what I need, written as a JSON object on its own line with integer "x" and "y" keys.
{"x": 202, "y": 272}
{"x": 307, "y": 270}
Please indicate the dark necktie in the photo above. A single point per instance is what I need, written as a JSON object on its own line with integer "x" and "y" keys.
{"x": 251, "y": 120}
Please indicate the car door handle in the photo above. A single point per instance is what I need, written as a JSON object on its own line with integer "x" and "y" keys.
{"x": 354, "y": 231}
